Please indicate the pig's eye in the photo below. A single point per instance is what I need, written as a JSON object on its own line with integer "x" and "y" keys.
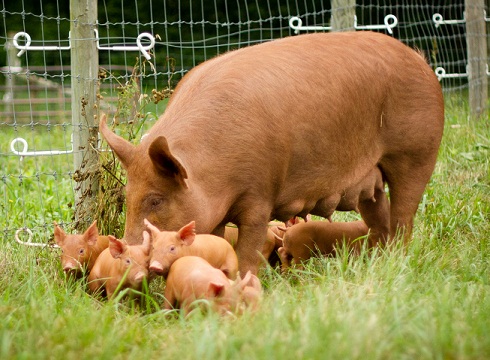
{"x": 128, "y": 261}
{"x": 155, "y": 201}
{"x": 81, "y": 251}
{"x": 172, "y": 249}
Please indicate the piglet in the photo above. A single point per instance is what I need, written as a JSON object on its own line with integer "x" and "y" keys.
{"x": 273, "y": 241}
{"x": 168, "y": 246}
{"x": 192, "y": 278}
{"x": 79, "y": 252}
{"x": 302, "y": 240}
{"x": 120, "y": 262}
{"x": 251, "y": 292}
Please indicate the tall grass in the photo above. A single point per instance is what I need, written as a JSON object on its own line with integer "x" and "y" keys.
{"x": 430, "y": 300}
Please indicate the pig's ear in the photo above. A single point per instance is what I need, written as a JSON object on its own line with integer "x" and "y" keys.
{"x": 165, "y": 163}
{"x": 215, "y": 289}
{"x": 277, "y": 236}
{"x": 146, "y": 242}
{"x": 255, "y": 283}
{"x": 188, "y": 233}
{"x": 123, "y": 149}
{"x": 244, "y": 282}
{"x": 116, "y": 247}
{"x": 92, "y": 234}
{"x": 153, "y": 229}
{"x": 59, "y": 235}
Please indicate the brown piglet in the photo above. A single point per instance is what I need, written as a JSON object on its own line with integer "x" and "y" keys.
{"x": 275, "y": 230}
{"x": 303, "y": 240}
{"x": 79, "y": 252}
{"x": 192, "y": 278}
{"x": 120, "y": 263}
{"x": 168, "y": 246}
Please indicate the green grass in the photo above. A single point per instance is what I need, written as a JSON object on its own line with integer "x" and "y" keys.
{"x": 428, "y": 301}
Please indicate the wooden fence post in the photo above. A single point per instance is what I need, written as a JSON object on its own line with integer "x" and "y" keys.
{"x": 84, "y": 83}
{"x": 343, "y": 12}
{"x": 476, "y": 41}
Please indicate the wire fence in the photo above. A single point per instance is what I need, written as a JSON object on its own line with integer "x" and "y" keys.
{"x": 166, "y": 39}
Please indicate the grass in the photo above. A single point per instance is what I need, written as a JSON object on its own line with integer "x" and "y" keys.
{"x": 428, "y": 301}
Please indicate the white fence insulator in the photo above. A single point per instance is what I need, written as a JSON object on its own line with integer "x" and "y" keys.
{"x": 29, "y": 240}
{"x": 28, "y": 46}
{"x": 139, "y": 45}
{"x": 439, "y": 20}
{"x": 441, "y": 74}
{"x": 25, "y": 152}
{"x": 390, "y": 22}
{"x": 296, "y": 24}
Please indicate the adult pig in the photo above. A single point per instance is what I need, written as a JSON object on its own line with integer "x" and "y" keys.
{"x": 79, "y": 252}
{"x": 305, "y": 118}
{"x": 120, "y": 266}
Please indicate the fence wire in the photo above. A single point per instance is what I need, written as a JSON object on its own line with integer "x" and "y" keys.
{"x": 35, "y": 87}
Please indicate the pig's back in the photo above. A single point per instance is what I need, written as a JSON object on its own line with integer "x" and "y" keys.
{"x": 338, "y": 104}
{"x": 101, "y": 270}
{"x": 217, "y": 251}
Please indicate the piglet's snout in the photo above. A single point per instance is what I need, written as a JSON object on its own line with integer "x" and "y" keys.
{"x": 156, "y": 266}
{"x": 69, "y": 266}
{"x": 140, "y": 275}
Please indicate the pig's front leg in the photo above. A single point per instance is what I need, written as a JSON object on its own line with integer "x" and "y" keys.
{"x": 251, "y": 240}
{"x": 219, "y": 230}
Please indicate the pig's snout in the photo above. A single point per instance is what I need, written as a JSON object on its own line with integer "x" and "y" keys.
{"x": 69, "y": 267}
{"x": 156, "y": 267}
{"x": 140, "y": 275}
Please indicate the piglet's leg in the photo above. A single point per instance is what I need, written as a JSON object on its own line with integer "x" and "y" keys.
{"x": 283, "y": 255}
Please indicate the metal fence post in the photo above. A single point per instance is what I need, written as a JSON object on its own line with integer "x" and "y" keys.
{"x": 84, "y": 82}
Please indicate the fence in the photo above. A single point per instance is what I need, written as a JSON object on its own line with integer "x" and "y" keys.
{"x": 52, "y": 91}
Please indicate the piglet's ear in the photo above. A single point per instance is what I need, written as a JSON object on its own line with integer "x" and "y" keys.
{"x": 116, "y": 247}
{"x": 215, "y": 289}
{"x": 165, "y": 163}
{"x": 154, "y": 230}
{"x": 188, "y": 233}
{"x": 92, "y": 234}
{"x": 59, "y": 235}
{"x": 146, "y": 242}
{"x": 244, "y": 282}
